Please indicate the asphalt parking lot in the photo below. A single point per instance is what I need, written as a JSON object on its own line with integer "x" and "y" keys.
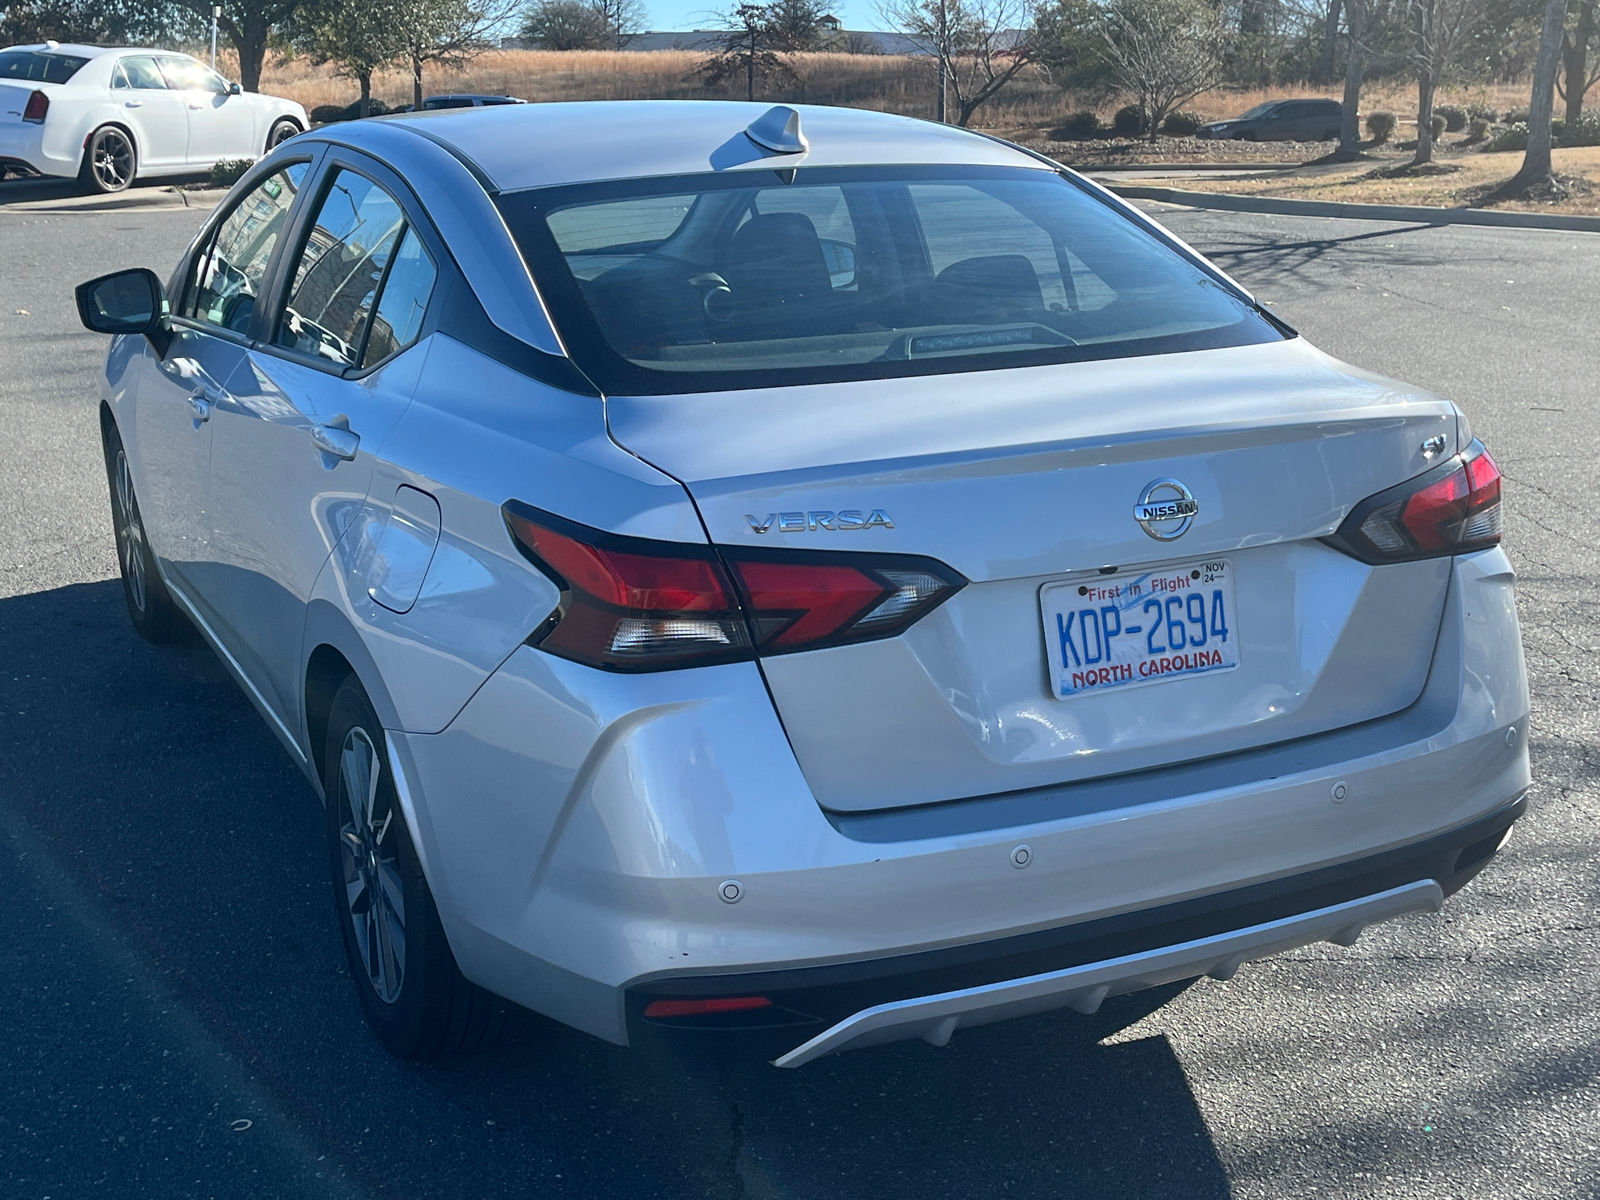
{"x": 173, "y": 1006}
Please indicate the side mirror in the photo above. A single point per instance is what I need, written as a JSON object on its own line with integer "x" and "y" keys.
{"x": 127, "y": 302}
{"x": 234, "y": 89}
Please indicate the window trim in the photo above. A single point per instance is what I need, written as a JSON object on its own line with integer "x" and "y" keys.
{"x": 335, "y": 159}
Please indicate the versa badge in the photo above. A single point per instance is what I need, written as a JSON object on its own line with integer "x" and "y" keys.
{"x": 800, "y": 522}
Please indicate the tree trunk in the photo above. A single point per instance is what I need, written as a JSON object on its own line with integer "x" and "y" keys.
{"x": 364, "y": 78}
{"x": 1541, "y": 104}
{"x": 1330, "y": 40}
{"x": 1425, "y": 90}
{"x": 750, "y": 74}
{"x": 250, "y": 40}
{"x": 1575, "y": 62}
{"x": 416, "y": 82}
{"x": 1354, "y": 70}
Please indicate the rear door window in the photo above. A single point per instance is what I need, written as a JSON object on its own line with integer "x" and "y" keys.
{"x": 228, "y": 274}
{"x": 362, "y": 280}
{"x": 141, "y": 71}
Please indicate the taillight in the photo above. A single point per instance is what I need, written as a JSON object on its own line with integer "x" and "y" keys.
{"x": 38, "y": 105}
{"x": 1453, "y": 509}
{"x": 635, "y": 604}
{"x": 658, "y": 1009}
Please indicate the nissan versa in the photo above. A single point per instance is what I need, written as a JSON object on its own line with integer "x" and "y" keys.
{"x": 769, "y": 581}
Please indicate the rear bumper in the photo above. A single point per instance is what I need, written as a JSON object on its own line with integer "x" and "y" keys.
{"x": 822, "y": 1010}
{"x": 26, "y": 145}
{"x": 577, "y": 828}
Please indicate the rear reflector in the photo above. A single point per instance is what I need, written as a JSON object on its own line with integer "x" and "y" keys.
{"x": 700, "y": 1008}
{"x": 1453, "y": 509}
{"x": 37, "y": 108}
{"x": 635, "y": 604}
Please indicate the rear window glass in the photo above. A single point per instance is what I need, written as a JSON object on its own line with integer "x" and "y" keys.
{"x": 37, "y": 66}
{"x": 771, "y": 278}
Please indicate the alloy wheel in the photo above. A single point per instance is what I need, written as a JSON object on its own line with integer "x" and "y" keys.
{"x": 130, "y": 534}
{"x": 112, "y": 156}
{"x": 373, "y": 890}
{"x": 281, "y": 133}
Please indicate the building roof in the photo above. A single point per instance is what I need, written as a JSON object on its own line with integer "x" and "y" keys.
{"x": 542, "y": 145}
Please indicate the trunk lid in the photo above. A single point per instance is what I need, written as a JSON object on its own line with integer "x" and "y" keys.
{"x": 1025, "y": 479}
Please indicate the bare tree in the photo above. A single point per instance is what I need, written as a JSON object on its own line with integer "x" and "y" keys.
{"x": 1580, "y": 66}
{"x": 1370, "y": 28}
{"x": 977, "y": 46}
{"x": 1439, "y": 28}
{"x": 1166, "y": 52}
{"x": 357, "y": 36}
{"x": 750, "y": 49}
{"x": 625, "y": 19}
{"x": 565, "y": 25}
{"x": 1536, "y": 168}
{"x": 447, "y": 32}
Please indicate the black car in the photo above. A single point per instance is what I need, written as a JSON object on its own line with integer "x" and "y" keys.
{"x": 467, "y": 101}
{"x": 1282, "y": 121}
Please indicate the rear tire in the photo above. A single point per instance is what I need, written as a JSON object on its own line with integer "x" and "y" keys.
{"x": 156, "y": 616}
{"x": 413, "y": 995}
{"x": 280, "y": 133}
{"x": 110, "y": 161}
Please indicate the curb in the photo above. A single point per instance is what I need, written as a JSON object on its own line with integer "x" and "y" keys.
{"x": 1364, "y": 212}
{"x": 145, "y": 198}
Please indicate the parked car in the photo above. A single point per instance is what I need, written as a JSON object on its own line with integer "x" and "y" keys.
{"x": 755, "y": 589}
{"x": 110, "y": 115}
{"x": 465, "y": 100}
{"x": 1282, "y": 121}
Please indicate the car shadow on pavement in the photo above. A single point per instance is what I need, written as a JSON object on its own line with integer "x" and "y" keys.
{"x": 182, "y": 820}
{"x": 31, "y": 192}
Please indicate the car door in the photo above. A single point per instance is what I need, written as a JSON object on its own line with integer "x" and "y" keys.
{"x": 295, "y": 447}
{"x": 180, "y": 391}
{"x": 220, "y": 125}
{"x": 158, "y": 116}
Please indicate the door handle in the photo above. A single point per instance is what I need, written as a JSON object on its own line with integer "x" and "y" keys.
{"x": 200, "y": 405}
{"x": 339, "y": 442}
{"x": 132, "y": 103}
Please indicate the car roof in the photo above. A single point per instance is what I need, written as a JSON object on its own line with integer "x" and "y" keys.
{"x": 520, "y": 146}
{"x": 77, "y": 50}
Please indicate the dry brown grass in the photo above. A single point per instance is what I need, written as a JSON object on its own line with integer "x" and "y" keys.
{"x": 1359, "y": 183}
{"x": 886, "y": 83}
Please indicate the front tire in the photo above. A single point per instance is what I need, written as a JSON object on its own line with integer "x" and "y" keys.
{"x": 414, "y": 996}
{"x": 110, "y": 161}
{"x": 280, "y": 133}
{"x": 156, "y": 616}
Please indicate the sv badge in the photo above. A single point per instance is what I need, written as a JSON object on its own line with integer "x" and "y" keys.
{"x": 801, "y": 522}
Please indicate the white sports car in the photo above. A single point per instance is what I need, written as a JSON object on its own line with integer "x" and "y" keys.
{"x": 110, "y": 115}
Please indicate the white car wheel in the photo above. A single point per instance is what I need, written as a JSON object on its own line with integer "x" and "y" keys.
{"x": 280, "y": 133}
{"x": 110, "y": 161}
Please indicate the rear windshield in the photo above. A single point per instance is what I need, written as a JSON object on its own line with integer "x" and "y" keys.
{"x": 765, "y": 278}
{"x": 36, "y": 66}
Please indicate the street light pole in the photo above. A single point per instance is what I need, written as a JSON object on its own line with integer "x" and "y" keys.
{"x": 216, "y": 11}
{"x": 944, "y": 58}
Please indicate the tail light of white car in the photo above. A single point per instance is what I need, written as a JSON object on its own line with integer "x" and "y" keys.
{"x": 37, "y": 108}
{"x": 636, "y": 604}
{"x": 1452, "y": 509}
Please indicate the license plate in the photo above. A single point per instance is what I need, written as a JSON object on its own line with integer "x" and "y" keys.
{"x": 1110, "y": 631}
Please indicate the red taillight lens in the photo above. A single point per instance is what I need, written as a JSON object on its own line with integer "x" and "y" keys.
{"x": 701, "y": 1008}
{"x": 37, "y": 108}
{"x": 632, "y": 604}
{"x": 1453, "y": 509}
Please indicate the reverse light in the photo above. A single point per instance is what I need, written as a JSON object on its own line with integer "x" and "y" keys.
{"x": 1452, "y": 509}
{"x": 36, "y": 109}
{"x": 636, "y": 604}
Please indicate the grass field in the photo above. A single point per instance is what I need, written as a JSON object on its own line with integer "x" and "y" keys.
{"x": 897, "y": 84}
